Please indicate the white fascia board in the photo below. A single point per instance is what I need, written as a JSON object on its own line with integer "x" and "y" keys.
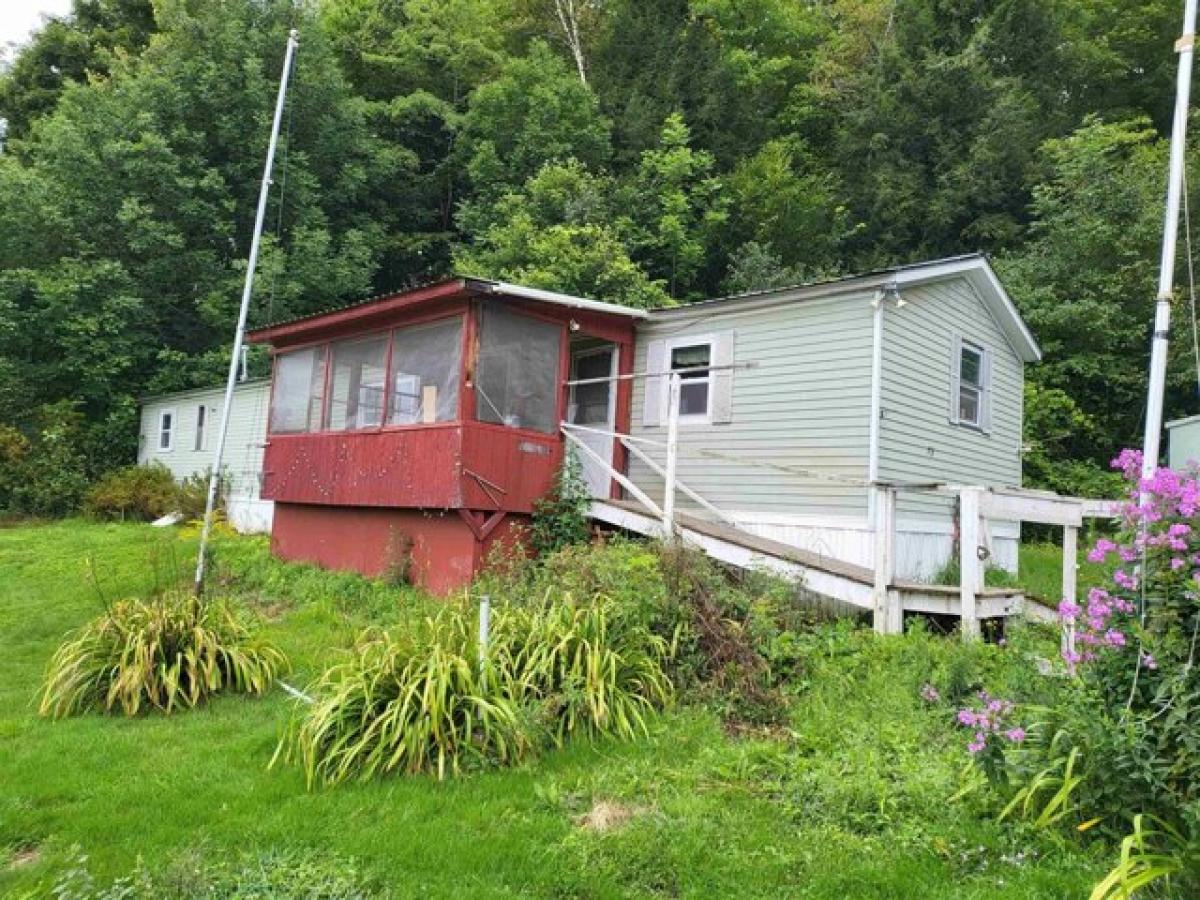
{"x": 528, "y": 293}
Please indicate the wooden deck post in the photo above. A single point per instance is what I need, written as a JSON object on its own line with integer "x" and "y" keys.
{"x": 668, "y": 504}
{"x": 1070, "y": 580}
{"x": 887, "y": 615}
{"x": 970, "y": 566}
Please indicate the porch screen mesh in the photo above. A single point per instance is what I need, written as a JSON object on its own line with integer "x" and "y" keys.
{"x": 297, "y": 397}
{"x": 425, "y": 362}
{"x": 517, "y": 376}
{"x": 356, "y": 391}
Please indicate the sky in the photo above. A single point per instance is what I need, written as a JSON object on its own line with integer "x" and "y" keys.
{"x": 18, "y": 18}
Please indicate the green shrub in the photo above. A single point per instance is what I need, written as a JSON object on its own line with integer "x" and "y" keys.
{"x": 560, "y": 517}
{"x": 134, "y": 492}
{"x": 48, "y": 475}
{"x": 164, "y": 653}
{"x": 410, "y": 700}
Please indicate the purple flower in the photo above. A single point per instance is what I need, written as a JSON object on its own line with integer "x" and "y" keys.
{"x": 1068, "y": 610}
{"x": 978, "y": 744}
{"x": 1099, "y": 552}
{"x": 1114, "y": 638}
{"x": 967, "y": 717}
{"x": 1016, "y": 735}
{"x": 1148, "y": 661}
{"x": 930, "y": 694}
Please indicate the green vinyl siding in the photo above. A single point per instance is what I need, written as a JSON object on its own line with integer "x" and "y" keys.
{"x": 806, "y": 405}
{"x": 917, "y": 439}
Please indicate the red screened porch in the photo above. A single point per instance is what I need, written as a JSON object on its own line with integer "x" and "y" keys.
{"x": 415, "y": 430}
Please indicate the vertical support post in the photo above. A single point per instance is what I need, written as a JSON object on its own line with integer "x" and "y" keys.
{"x": 1070, "y": 578}
{"x": 888, "y": 617}
{"x": 668, "y": 505}
{"x": 485, "y": 625}
{"x": 970, "y": 566}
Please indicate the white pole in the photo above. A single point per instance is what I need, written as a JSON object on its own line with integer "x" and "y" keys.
{"x": 485, "y": 625}
{"x": 970, "y": 567}
{"x": 672, "y": 455}
{"x": 1070, "y": 579}
{"x": 1166, "y": 271}
{"x": 886, "y": 620}
{"x": 239, "y": 336}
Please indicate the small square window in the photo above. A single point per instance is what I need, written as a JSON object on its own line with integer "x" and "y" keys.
{"x": 692, "y": 361}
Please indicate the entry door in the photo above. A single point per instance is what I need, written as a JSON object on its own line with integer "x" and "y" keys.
{"x": 594, "y": 406}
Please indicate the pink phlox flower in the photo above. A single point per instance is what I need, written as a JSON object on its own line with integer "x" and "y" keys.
{"x": 1114, "y": 638}
{"x": 977, "y": 745}
{"x": 1101, "y": 550}
{"x": 1016, "y": 735}
{"x": 967, "y": 717}
{"x": 1148, "y": 661}
{"x": 1129, "y": 461}
{"x": 930, "y": 694}
{"x": 1177, "y": 563}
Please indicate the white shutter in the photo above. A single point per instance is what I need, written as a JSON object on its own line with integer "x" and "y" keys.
{"x": 653, "y": 408}
{"x": 721, "y": 382}
{"x": 956, "y": 343}
{"x": 985, "y": 395}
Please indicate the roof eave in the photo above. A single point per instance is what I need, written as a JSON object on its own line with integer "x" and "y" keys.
{"x": 991, "y": 291}
{"x": 488, "y": 286}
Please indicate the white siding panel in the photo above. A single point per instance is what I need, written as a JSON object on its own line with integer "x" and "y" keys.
{"x": 243, "y": 445}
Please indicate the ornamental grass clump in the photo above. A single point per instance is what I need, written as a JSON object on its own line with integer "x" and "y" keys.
{"x": 421, "y": 700}
{"x": 410, "y": 701}
{"x": 167, "y": 652}
{"x": 583, "y": 668}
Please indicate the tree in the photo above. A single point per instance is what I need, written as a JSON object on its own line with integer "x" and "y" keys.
{"x": 1086, "y": 284}
{"x": 677, "y": 206}
{"x": 66, "y": 51}
{"x": 559, "y": 232}
{"x": 535, "y": 112}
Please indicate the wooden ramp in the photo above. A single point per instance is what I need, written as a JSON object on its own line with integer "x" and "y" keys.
{"x": 823, "y": 575}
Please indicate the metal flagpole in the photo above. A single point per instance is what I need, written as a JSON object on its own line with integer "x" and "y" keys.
{"x": 235, "y": 357}
{"x": 1166, "y": 273}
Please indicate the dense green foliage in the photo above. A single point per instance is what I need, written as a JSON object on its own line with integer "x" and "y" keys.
{"x": 849, "y": 795}
{"x": 643, "y": 151}
{"x": 146, "y": 492}
{"x": 166, "y": 653}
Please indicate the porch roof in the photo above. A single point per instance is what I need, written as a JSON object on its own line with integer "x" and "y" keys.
{"x": 434, "y": 291}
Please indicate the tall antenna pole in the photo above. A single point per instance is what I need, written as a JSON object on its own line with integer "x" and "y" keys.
{"x": 239, "y": 336}
{"x": 1166, "y": 272}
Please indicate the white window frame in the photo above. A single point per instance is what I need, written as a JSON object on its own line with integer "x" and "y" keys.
{"x": 984, "y": 386}
{"x": 673, "y": 344}
{"x": 576, "y": 355}
{"x": 169, "y": 432}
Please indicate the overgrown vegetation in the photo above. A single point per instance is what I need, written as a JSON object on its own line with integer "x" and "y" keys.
{"x": 428, "y": 699}
{"x": 144, "y": 493}
{"x": 1105, "y": 747}
{"x": 167, "y": 652}
{"x": 560, "y": 518}
{"x": 851, "y": 793}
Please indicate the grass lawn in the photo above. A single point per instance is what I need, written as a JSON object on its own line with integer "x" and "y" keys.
{"x": 851, "y": 801}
